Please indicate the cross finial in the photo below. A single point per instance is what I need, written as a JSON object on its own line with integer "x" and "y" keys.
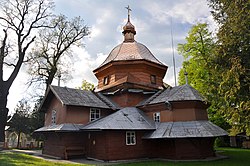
{"x": 129, "y": 10}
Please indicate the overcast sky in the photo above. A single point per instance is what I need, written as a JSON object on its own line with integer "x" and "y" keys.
{"x": 152, "y": 21}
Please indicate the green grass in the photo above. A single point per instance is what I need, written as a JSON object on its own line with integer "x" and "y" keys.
{"x": 19, "y": 159}
{"x": 237, "y": 157}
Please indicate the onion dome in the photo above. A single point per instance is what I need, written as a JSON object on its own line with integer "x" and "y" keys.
{"x": 129, "y": 29}
{"x": 129, "y": 49}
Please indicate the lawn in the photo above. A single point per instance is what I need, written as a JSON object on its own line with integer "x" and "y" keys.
{"x": 19, "y": 159}
{"x": 237, "y": 157}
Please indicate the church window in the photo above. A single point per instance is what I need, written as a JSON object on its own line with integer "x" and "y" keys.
{"x": 95, "y": 114}
{"x": 53, "y": 117}
{"x": 106, "y": 80}
{"x": 157, "y": 116}
{"x": 130, "y": 138}
{"x": 153, "y": 79}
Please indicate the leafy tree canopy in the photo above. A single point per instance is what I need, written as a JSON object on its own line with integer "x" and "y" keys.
{"x": 87, "y": 86}
{"x": 232, "y": 61}
{"x": 199, "y": 57}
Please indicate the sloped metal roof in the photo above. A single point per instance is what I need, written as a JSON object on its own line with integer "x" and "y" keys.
{"x": 177, "y": 93}
{"x": 77, "y": 97}
{"x": 60, "y": 127}
{"x": 108, "y": 101}
{"x": 187, "y": 129}
{"x": 129, "y": 118}
{"x": 130, "y": 51}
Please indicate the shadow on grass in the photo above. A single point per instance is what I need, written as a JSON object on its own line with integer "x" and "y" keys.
{"x": 19, "y": 159}
{"x": 235, "y": 157}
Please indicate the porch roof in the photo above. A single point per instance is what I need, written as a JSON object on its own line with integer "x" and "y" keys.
{"x": 129, "y": 118}
{"x": 177, "y": 93}
{"x": 187, "y": 129}
{"x": 66, "y": 127}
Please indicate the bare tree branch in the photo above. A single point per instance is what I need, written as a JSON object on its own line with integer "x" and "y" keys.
{"x": 55, "y": 43}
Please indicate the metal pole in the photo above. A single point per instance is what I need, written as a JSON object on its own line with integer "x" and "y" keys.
{"x": 172, "y": 39}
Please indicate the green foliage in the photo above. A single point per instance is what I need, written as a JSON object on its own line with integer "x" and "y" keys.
{"x": 221, "y": 142}
{"x": 25, "y": 120}
{"x": 87, "y": 86}
{"x": 197, "y": 54}
{"x": 37, "y": 118}
{"x": 221, "y": 70}
{"x": 20, "y": 119}
{"x": 233, "y": 61}
{"x": 199, "y": 60}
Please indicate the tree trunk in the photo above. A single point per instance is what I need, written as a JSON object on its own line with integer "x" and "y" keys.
{"x": 3, "y": 112}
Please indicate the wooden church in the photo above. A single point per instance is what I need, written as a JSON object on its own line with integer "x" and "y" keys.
{"x": 130, "y": 115}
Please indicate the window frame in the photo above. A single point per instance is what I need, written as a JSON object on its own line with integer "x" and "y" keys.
{"x": 53, "y": 117}
{"x": 106, "y": 80}
{"x": 157, "y": 116}
{"x": 153, "y": 79}
{"x": 93, "y": 111}
{"x": 130, "y": 138}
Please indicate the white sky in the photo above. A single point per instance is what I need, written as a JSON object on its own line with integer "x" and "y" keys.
{"x": 152, "y": 21}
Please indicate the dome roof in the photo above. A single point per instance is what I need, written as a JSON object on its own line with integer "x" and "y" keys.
{"x": 129, "y": 28}
{"x": 131, "y": 51}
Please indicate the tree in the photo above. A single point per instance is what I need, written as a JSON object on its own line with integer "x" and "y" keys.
{"x": 232, "y": 61}
{"x": 37, "y": 117}
{"x": 20, "y": 19}
{"x": 197, "y": 52}
{"x": 20, "y": 122}
{"x": 53, "y": 46}
{"x": 87, "y": 86}
{"x": 199, "y": 64}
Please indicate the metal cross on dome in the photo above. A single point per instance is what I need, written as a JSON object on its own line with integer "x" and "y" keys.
{"x": 129, "y": 10}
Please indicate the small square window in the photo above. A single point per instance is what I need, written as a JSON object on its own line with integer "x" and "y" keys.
{"x": 157, "y": 116}
{"x": 130, "y": 138}
{"x": 94, "y": 114}
{"x": 106, "y": 80}
{"x": 153, "y": 79}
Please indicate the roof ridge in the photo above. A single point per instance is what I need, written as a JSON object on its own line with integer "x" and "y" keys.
{"x": 108, "y": 103}
{"x": 154, "y": 96}
{"x": 179, "y": 88}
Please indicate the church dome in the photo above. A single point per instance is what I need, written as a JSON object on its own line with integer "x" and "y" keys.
{"x": 127, "y": 51}
{"x": 129, "y": 27}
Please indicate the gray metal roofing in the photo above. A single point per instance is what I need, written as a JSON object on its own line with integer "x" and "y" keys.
{"x": 108, "y": 101}
{"x": 177, "y": 93}
{"x": 77, "y": 97}
{"x": 131, "y": 51}
{"x": 59, "y": 127}
{"x": 187, "y": 129}
{"x": 129, "y": 118}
